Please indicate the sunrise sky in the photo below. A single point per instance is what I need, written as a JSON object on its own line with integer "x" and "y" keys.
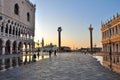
{"x": 75, "y": 17}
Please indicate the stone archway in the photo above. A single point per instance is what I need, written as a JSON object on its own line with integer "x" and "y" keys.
{"x": 14, "y": 47}
{"x": 20, "y": 47}
{"x": 7, "y": 52}
{"x": 24, "y": 45}
{"x": 7, "y": 47}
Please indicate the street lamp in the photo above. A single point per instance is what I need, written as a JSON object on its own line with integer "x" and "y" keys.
{"x": 110, "y": 52}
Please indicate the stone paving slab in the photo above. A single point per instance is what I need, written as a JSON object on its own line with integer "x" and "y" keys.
{"x": 62, "y": 67}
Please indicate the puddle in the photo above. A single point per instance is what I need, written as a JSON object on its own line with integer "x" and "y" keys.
{"x": 99, "y": 58}
{"x": 26, "y": 58}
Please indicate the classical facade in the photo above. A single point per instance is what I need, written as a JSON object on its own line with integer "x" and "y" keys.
{"x": 111, "y": 43}
{"x": 17, "y": 25}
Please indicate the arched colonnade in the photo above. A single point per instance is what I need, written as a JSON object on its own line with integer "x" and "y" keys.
{"x": 12, "y": 53}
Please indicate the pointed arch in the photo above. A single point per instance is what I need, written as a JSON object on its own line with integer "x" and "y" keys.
{"x": 14, "y": 47}
{"x": 7, "y": 48}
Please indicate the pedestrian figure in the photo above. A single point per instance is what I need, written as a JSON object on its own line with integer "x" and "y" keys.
{"x": 34, "y": 57}
{"x": 50, "y": 52}
{"x": 85, "y": 52}
{"x": 55, "y": 53}
{"x": 38, "y": 55}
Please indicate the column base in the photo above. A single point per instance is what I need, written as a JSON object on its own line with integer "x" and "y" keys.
{"x": 17, "y": 66}
{"x": 11, "y": 67}
{"x": 3, "y": 68}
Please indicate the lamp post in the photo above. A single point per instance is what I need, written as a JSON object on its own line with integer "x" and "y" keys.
{"x": 91, "y": 38}
{"x": 59, "y": 38}
{"x": 110, "y": 52}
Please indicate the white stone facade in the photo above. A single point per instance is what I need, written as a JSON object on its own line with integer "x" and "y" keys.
{"x": 17, "y": 25}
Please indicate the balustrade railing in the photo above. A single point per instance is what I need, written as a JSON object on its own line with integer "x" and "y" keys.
{"x": 3, "y": 19}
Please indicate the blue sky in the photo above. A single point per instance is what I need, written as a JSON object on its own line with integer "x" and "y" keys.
{"x": 74, "y": 16}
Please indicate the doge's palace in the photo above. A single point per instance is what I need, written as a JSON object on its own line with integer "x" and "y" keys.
{"x": 17, "y": 25}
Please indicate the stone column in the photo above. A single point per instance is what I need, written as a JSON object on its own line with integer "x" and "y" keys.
{"x": 112, "y": 45}
{"x": 0, "y": 29}
{"x": 19, "y": 32}
{"x": 112, "y": 31}
{"x": 115, "y": 59}
{"x": 11, "y": 64}
{"x": 26, "y": 35}
{"x": 15, "y": 32}
{"x": 59, "y": 38}
{"x": 3, "y": 48}
{"x": 33, "y": 46}
{"x": 21, "y": 54}
{"x": 106, "y": 48}
{"x": 3, "y": 53}
{"x": 26, "y": 52}
{"x": 30, "y": 51}
{"x": 91, "y": 38}
{"x": 16, "y": 49}
{"x": 4, "y": 29}
{"x": 11, "y": 46}
{"x": 23, "y": 34}
{"x": 11, "y": 30}
{"x": 112, "y": 59}
{"x": 8, "y": 29}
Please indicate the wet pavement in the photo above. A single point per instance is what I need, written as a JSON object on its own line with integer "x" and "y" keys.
{"x": 62, "y": 67}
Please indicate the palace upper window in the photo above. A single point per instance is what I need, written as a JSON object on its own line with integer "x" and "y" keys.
{"x": 16, "y": 9}
{"x": 28, "y": 16}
